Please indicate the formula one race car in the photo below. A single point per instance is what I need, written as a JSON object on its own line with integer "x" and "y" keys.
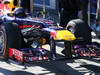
{"x": 22, "y": 37}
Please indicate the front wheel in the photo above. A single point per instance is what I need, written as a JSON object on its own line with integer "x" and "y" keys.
{"x": 10, "y": 37}
{"x": 81, "y": 30}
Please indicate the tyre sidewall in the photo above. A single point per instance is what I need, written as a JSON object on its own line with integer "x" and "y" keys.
{"x": 12, "y": 37}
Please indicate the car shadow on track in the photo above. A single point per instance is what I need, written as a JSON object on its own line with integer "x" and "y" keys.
{"x": 57, "y": 67}
{"x": 9, "y": 72}
{"x": 92, "y": 68}
{"x": 54, "y": 67}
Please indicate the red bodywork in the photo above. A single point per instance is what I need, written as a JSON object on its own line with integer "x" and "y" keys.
{"x": 23, "y": 56}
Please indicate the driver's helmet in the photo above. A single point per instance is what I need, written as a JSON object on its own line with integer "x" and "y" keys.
{"x": 19, "y": 12}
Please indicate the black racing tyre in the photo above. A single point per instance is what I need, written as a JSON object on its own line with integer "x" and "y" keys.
{"x": 81, "y": 30}
{"x": 10, "y": 37}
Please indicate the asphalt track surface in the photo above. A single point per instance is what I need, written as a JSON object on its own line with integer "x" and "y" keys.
{"x": 75, "y": 66}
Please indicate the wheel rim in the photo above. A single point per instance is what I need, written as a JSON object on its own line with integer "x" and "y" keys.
{"x": 1, "y": 42}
